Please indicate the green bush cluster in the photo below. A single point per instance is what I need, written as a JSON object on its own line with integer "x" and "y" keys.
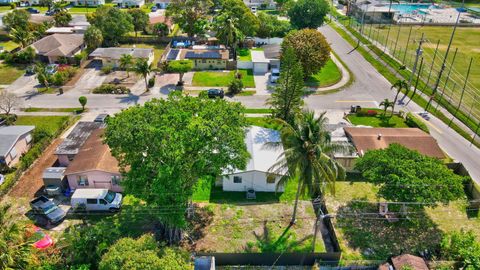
{"x": 111, "y": 89}
{"x": 63, "y": 75}
{"x": 106, "y": 69}
{"x": 236, "y": 86}
{"x": 21, "y": 57}
{"x": 412, "y": 121}
{"x": 9, "y": 119}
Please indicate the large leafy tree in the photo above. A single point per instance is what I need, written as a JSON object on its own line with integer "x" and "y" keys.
{"x": 286, "y": 101}
{"x": 22, "y": 36}
{"x": 62, "y": 18}
{"x": 308, "y": 157}
{"x": 462, "y": 247}
{"x": 245, "y": 20}
{"x": 405, "y": 175}
{"x": 181, "y": 67}
{"x": 308, "y": 13}
{"x": 143, "y": 253}
{"x": 18, "y": 18}
{"x": 139, "y": 19}
{"x": 190, "y": 15}
{"x": 93, "y": 38}
{"x": 311, "y": 48}
{"x": 112, "y": 22}
{"x": 270, "y": 26}
{"x": 166, "y": 145}
{"x": 143, "y": 68}
{"x": 226, "y": 27}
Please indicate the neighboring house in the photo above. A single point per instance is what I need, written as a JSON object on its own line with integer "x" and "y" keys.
{"x": 67, "y": 30}
{"x": 87, "y": 2}
{"x": 256, "y": 175}
{"x": 270, "y": 4}
{"x": 70, "y": 147}
{"x": 365, "y": 139}
{"x": 111, "y": 56}
{"x": 94, "y": 166}
{"x": 14, "y": 141}
{"x": 53, "y": 47}
{"x": 405, "y": 261}
{"x": 129, "y": 3}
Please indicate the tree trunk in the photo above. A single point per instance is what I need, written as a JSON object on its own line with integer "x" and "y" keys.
{"x": 294, "y": 214}
{"x": 146, "y": 83}
{"x": 395, "y": 100}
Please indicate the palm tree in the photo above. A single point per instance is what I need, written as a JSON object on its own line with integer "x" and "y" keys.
{"x": 15, "y": 249}
{"x": 308, "y": 156}
{"x": 228, "y": 32}
{"x": 386, "y": 104}
{"x": 21, "y": 36}
{"x": 399, "y": 85}
{"x": 142, "y": 67}
{"x": 42, "y": 74}
{"x": 126, "y": 61}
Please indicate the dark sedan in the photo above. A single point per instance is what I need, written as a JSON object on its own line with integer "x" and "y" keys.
{"x": 215, "y": 93}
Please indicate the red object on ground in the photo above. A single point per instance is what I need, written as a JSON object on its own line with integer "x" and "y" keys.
{"x": 40, "y": 238}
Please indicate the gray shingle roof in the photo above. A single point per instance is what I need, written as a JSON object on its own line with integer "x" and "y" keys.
{"x": 116, "y": 53}
{"x": 9, "y": 136}
{"x": 77, "y": 138}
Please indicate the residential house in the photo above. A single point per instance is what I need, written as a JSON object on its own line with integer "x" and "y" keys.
{"x": 67, "y": 30}
{"x": 365, "y": 139}
{"x": 129, "y": 3}
{"x": 405, "y": 261}
{"x": 53, "y": 47}
{"x": 206, "y": 59}
{"x": 70, "y": 147}
{"x": 14, "y": 141}
{"x": 111, "y": 56}
{"x": 163, "y": 4}
{"x": 94, "y": 166}
{"x": 90, "y": 3}
{"x": 257, "y": 175}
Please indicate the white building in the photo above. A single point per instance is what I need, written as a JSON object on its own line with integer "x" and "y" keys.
{"x": 256, "y": 175}
{"x": 129, "y": 3}
{"x": 90, "y": 3}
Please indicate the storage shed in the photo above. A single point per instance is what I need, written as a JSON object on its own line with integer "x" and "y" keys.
{"x": 54, "y": 180}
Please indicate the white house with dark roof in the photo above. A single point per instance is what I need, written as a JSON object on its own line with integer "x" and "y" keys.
{"x": 257, "y": 175}
{"x": 111, "y": 56}
{"x": 14, "y": 141}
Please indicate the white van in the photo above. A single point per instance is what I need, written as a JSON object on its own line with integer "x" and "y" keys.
{"x": 92, "y": 199}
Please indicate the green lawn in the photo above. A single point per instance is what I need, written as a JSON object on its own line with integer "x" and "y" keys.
{"x": 5, "y": 8}
{"x": 82, "y": 10}
{"x": 265, "y": 122}
{"x": 223, "y": 79}
{"x": 257, "y": 110}
{"x": 9, "y": 45}
{"x": 51, "y": 124}
{"x": 70, "y": 110}
{"x": 329, "y": 75}
{"x": 158, "y": 50}
{"x": 377, "y": 121}
{"x": 244, "y": 55}
{"x": 9, "y": 73}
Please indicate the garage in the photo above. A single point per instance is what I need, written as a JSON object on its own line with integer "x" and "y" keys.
{"x": 260, "y": 63}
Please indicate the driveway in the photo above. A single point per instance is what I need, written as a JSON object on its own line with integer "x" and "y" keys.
{"x": 262, "y": 84}
{"x": 24, "y": 86}
{"x": 90, "y": 79}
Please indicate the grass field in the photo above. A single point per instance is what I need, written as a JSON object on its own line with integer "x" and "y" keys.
{"x": 329, "y": 75}
{"x": 214, "y": 78}
{"x": 9, "y": 73}
{"x": 158, "y": 49}
{"x": 466, "y": 40}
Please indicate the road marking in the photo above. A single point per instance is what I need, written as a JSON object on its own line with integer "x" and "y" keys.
{"x": 430, "y": 124}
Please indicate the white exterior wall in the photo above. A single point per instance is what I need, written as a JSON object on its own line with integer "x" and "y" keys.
{"x": 252, "y": 179}
{"x": 244, "y": 64}
{"x": 260, "y": 68}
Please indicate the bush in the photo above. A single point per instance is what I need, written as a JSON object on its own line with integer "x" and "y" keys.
{"x": 22, "y": 57}
{"x": 63, "y": 75}
{"x": 13, "y": 5}
{"x": 151, "y": 82}
{"x": 235, "y": 87}
{"x": 371, "y": 112}
{"x": 362, "y": 112}
{"x": 9, "y": 120}
{"x": 107, "y": 69}
{"x": 412, "y": 121}
{"x": 111, "y": 89}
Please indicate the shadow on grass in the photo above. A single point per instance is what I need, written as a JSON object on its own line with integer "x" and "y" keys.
{"x": 375, "y": 238}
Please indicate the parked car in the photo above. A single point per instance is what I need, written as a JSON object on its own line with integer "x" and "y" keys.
{"x": 274, "y": 75}
{"x": 101, "y": 118}
{"x": 40, "y": 239}
{"x": 48, "y": 209}
{"x": 215, "y": 93}
{"x": 30, "y": 70}
{"x": 33, "y": 10}
{"x": 96, "y": 199}
{"x": 154, "y": 9}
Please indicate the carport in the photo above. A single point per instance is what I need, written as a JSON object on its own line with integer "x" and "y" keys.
{"x": 260, "y": 63}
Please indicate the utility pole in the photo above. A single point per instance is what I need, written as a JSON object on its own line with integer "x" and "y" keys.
{"x": 448, "y": 77}
{"x": 431, "y": 66}
{"x": 418, "y": 54}
{"x": 406, "y": 46}
{"x": 416, "y": 83}
{"x": 442, "y": 68}
{"x": 463, "y": 92}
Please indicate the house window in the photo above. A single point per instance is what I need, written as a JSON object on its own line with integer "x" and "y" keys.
{"x": 271, "y": 179}
{"x": 237, "y": 179}
{"x": 204, "y": 61}
{"x": 13, "y": 153}
{"x": 91, "y": 201}
{"x": 115, "y": 180}
{"x": 82, "y": 180}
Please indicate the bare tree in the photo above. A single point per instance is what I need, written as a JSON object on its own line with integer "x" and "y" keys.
{"x": 8, "y": 101}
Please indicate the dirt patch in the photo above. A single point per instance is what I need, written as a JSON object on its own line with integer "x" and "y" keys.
{"x": 120, "y": 78}
{"x": 31, "y": 181}
{"x": 74, "y": 80}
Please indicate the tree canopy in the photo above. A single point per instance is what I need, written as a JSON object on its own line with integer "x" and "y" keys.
{"x": 270, "y": 26}
{"x": 190, "y": 15}
{"x": 246, "y": 21}
{"x": 112, "y": 22}
{"x": 308, "y": 13}
{"x": 181, "y": 67}
{"x": 93, "y": 38}
{"x": 140, "y": 19}
{"x": 311, "y": 48}
{"x": 463, "y": 247}
{"x": 166, "y": 145}
{"x": 62, "y": 18}
{"x": 18, "y": 18}
{"x": 405, "y": 175}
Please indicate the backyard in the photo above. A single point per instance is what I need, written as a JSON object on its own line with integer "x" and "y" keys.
{"x": 157, "y": 50}
{"x": 246, "y": 55}
{"x": 329, "y": 75}
{"x": 376, "y": 119}
{"x": 222, "y": 78}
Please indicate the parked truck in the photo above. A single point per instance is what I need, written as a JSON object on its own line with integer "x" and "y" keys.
{"x": 48, "y": 209}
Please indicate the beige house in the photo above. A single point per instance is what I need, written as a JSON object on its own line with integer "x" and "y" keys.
{"x": 206, "y": 59}
{"x": 111, "y": 56}
{"x": 52, "y": 47}
{"x": 94, "y": 166}
{"x": 14, "y": 141}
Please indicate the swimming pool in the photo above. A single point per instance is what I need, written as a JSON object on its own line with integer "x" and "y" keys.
{"x": 412, "y": 8}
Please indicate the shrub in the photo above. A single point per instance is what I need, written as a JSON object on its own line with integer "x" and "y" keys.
{"x": 63, "y": 75}
{"x": 362, "y": 112}
{"x": 151, "y": 82}
{"x": 22, "y": 57}
{"x": 371, "y": 112}
{"x": 107, "y": 69}
{"x": 13, "y": 5}
{"x": 235, "y": 87}
{"x": 412, "y": 121}
{"x": 9, "y": 120}
{"x": 111, "y": 89}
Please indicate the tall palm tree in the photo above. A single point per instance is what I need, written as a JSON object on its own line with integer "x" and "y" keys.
{"x": 399, "y": 85}
{"x": 126, "y": 61}
{"x": 228, "y": 32}
{"x": 42, "y": 74}
{"x": 21, "y": 36}
{"x": 308, "y": 156}
{"x": 386, "y": 103}
{"x": 15, "y": 249}
{"x": 143, "y": 68}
